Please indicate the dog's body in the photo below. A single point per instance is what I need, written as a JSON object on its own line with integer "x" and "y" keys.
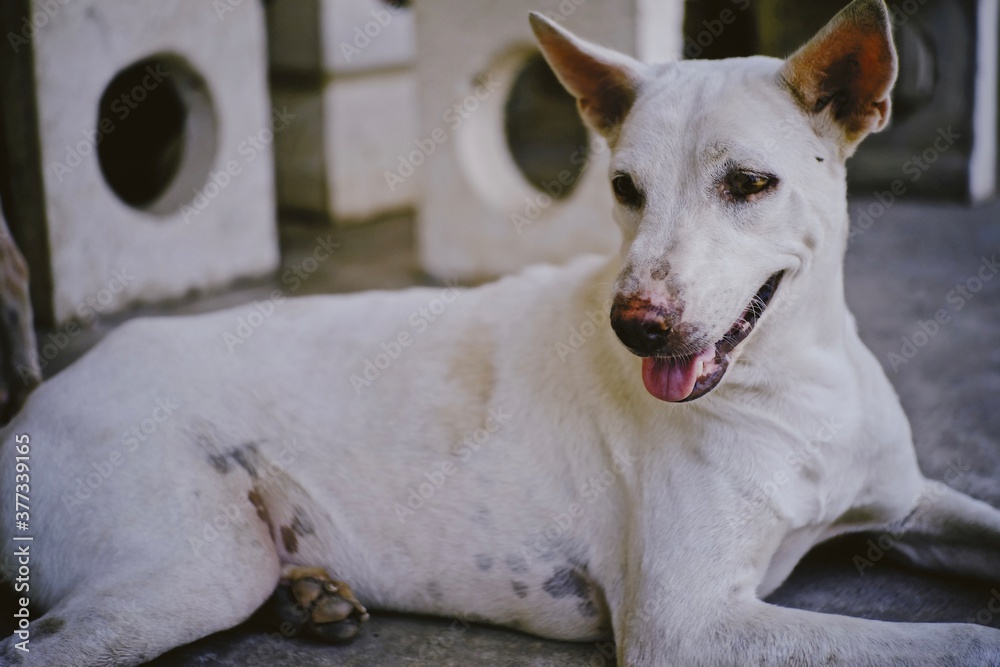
{"x": 493, "y": 454}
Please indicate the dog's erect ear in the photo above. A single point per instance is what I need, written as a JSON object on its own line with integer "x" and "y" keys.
{"x": 604, "y": 82}
{"x": 847, "y": 71}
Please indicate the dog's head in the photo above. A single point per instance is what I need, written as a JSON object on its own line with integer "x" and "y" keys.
{"x": 729, "y": 179}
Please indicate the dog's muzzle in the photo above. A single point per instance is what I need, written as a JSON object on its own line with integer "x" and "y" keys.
{"x": 646, "y": 330}
{"x": 675, "y": 368}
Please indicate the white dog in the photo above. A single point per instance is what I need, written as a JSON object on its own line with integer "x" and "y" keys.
{"x": 506, "y": 453}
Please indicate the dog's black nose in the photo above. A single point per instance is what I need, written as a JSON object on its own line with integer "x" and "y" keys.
{"x": 644, "y": 331}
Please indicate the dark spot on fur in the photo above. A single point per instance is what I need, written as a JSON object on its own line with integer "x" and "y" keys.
{"x": 216, "y": 458}
{"x": 219, "y": 462}
{"x": 587, "y": 608}
{"x": 566, "y": 582}
{"x": 520, "y": 588}
{"x": 261, "y": 508}
{"x": 301, "y": 523}
{"x": 47, "y": 626}
{"x": 243, "y": 455}
{"x": 434, "y": 590}
{"x": 289, "y": 540}
{"x": 819, "y": 159}
{"x": 661, "y": 270}
{"x": 517, "y": 563}
{"x": 484, "y": 562}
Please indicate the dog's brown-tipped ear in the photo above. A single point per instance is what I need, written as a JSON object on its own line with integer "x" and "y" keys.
{"x": 604, "y": 82}
{"x": 847, "y": 72}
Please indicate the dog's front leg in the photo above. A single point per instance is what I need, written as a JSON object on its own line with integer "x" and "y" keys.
{"x": 751, "y": 632}
{"x": 950, "y": 532}
{"x": 690, "y": 599}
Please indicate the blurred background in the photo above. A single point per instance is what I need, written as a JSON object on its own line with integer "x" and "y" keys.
{"x": 189, "y": 142}
{"x": 181, "y": 156}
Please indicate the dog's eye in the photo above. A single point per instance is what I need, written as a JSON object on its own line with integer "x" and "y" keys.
{"x": 625, "y": 190}
{"x": 742, "y": 185}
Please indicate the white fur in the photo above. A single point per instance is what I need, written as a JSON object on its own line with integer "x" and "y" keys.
{"x": 591, "y": 508}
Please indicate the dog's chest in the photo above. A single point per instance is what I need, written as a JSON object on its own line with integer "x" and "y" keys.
{"x": 827, "y": 485}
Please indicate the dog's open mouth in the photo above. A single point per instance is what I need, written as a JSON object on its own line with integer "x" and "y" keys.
{"x": 679, "y": 379}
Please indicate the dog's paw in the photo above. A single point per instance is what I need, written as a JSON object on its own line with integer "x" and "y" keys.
{"x": 310, "y": 601}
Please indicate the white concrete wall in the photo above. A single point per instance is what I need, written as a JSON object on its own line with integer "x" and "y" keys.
{"x": 167, "y": 250}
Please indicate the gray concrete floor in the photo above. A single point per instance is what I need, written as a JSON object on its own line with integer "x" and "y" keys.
{"x": 899, "y": 273}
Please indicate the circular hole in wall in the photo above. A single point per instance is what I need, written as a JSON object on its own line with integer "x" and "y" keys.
{"x": 156, "y": 133}
{"x": 545, "y": 135}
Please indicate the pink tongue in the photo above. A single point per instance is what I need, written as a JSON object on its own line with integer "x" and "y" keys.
{"x": 674, "y": 379}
